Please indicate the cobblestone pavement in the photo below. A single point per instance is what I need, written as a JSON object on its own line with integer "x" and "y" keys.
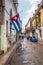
{"x": 29, "y": 53}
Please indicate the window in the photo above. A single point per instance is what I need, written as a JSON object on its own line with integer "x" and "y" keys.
{"x": 36, "y": 22}
{"x": 0, "y": 2}
{"x": 10, "y": 27}
{"x": 40, "y": 32}
{"x": 39, "y": 19}
{"x": 10, "y": 13}
{"x": 10, "y": 22}
{"x": 6, "y": 28}
{"x": 0, "y": 14}
{"x": 3, "y": 2}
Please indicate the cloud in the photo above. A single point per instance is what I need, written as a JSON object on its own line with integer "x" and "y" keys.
{"x": 31, "y": 11}
{"x": 35, "y": 1}
{"x": 26, "y": 0}
{"x": 33, "y": 6}
{"x": 25, "y": 20}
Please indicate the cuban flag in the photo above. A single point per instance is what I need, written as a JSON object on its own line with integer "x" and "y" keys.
{"x": 16, "y": 22}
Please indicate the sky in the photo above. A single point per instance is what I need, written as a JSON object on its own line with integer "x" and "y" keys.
{"x": 26, "y": 9}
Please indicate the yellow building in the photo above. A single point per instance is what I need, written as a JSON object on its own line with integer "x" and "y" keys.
{"x": 37, "y": 21}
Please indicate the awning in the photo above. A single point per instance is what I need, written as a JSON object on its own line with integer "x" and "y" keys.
{"x": 30, "y": 29}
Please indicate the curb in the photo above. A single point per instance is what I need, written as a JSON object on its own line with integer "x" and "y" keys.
{"x": 5, "y": 59}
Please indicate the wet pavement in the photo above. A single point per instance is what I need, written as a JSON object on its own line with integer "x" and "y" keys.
{"x": 29, "y": 53}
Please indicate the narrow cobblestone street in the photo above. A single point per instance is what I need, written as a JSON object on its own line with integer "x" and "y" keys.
{"x": 21, "y": 32}
{"x": 29, "y": 53}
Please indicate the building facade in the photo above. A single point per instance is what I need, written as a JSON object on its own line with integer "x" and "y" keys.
{"x": 36, "y": 22}
{"x": 27, "y": 28}
{"x": 8, "y": 9}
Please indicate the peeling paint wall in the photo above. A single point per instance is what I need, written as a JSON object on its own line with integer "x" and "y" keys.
{"x": 4, "y": 39}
